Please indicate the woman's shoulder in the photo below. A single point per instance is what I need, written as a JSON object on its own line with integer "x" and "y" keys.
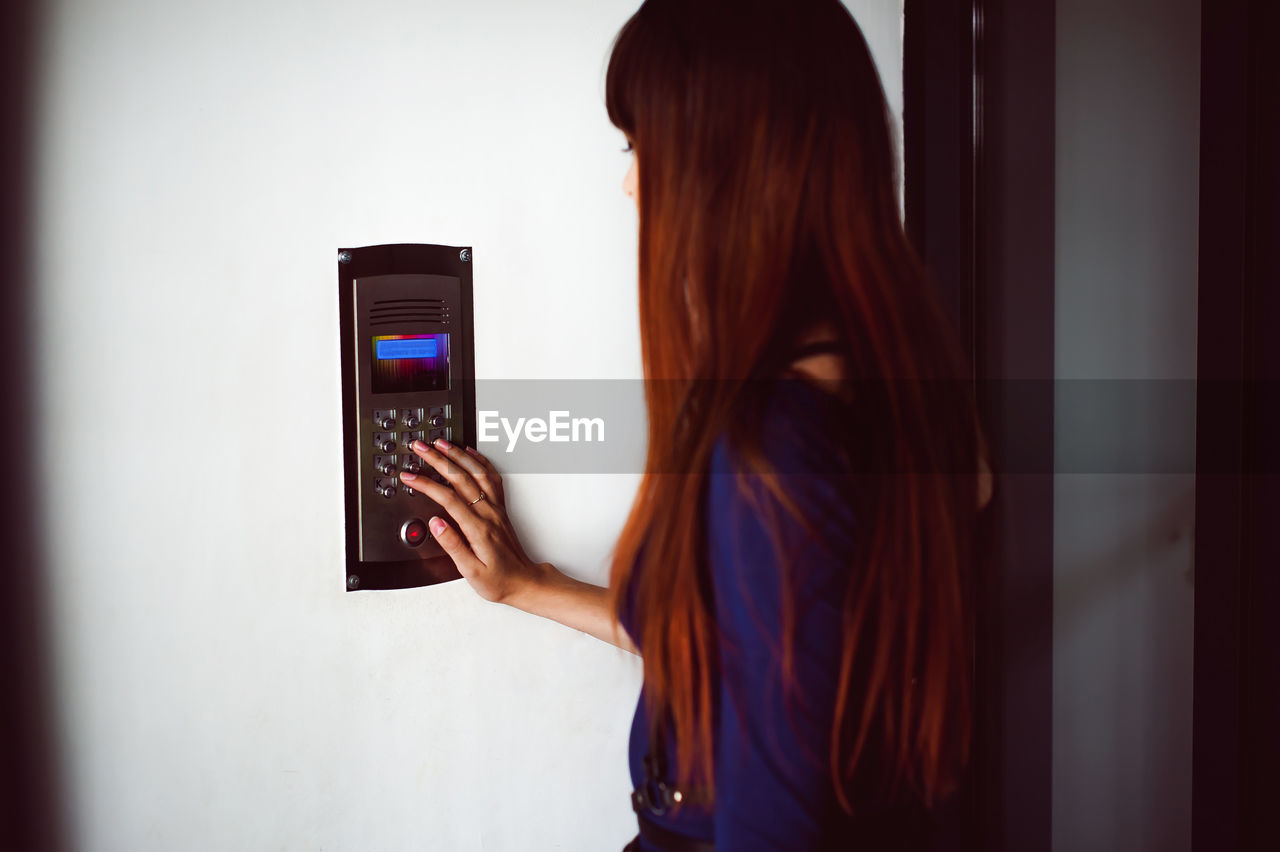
{"x": 803, "y": 437}
{"x": 799, "y": 428}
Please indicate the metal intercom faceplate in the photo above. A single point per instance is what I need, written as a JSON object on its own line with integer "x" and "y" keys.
{"x": 407, "y": 374}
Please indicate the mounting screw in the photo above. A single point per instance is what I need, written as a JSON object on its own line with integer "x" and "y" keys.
{"x": 353, "y": 581}
{"x": 465, "y": 255}
{"x": 344, "y": 257}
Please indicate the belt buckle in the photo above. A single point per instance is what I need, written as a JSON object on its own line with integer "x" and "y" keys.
{"x": 653, "y": 795}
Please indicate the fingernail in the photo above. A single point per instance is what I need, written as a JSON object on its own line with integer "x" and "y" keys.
{"x": 406, "y": 475}
{"x": 419, "y": 446}
{"x": 443, "y": 444}
{"x": 436, "y": 525}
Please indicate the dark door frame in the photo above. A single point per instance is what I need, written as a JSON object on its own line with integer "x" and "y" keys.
{"x": 979, "y": 183}
{"x": 1236, "y": 692}
{"x": 30, "y": 813}
{"x": 978, "y": 145}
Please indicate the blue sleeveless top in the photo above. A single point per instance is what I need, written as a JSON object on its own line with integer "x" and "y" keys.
{"x": 773, "y": 784}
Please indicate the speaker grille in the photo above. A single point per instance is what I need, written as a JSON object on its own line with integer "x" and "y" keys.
{"x": 396, "y": 311}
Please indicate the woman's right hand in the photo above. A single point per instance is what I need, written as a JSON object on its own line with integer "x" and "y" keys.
{"x": 484, "y": 547}
{"x": 489, "y": 555}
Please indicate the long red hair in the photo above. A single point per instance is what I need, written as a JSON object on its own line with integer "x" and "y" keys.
{"x": 768, "y": 202}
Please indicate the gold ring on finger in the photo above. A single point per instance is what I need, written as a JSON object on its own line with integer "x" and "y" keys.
{"x": 478, "y": 499}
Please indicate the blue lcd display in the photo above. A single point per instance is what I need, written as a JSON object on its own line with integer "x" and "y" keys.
{"x": 405, "y": 363}
{"x": 394, "y": 350}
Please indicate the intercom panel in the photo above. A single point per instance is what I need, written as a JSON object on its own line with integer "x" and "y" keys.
{"x": 408, "y": 373}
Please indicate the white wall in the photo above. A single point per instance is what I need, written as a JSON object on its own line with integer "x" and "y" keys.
{"x": 200, "y": 162}
{"x": 1128, "y": 112}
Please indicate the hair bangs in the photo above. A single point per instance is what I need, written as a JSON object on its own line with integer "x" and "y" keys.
{"x": 620, "y": 78}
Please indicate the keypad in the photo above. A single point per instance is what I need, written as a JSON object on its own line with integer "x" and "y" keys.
{"x": 394, "y": 431}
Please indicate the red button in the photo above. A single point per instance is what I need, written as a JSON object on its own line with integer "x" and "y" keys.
{"x": 413, "y": 533}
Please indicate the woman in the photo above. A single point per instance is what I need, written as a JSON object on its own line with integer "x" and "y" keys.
{"x": 795, "y": 565}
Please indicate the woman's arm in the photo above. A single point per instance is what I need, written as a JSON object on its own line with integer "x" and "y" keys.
{"x": 582, "y": 606}
{"x": 488, "y": 553}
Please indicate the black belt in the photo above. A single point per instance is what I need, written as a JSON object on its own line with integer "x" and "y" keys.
{"x": 665, "y": 839}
